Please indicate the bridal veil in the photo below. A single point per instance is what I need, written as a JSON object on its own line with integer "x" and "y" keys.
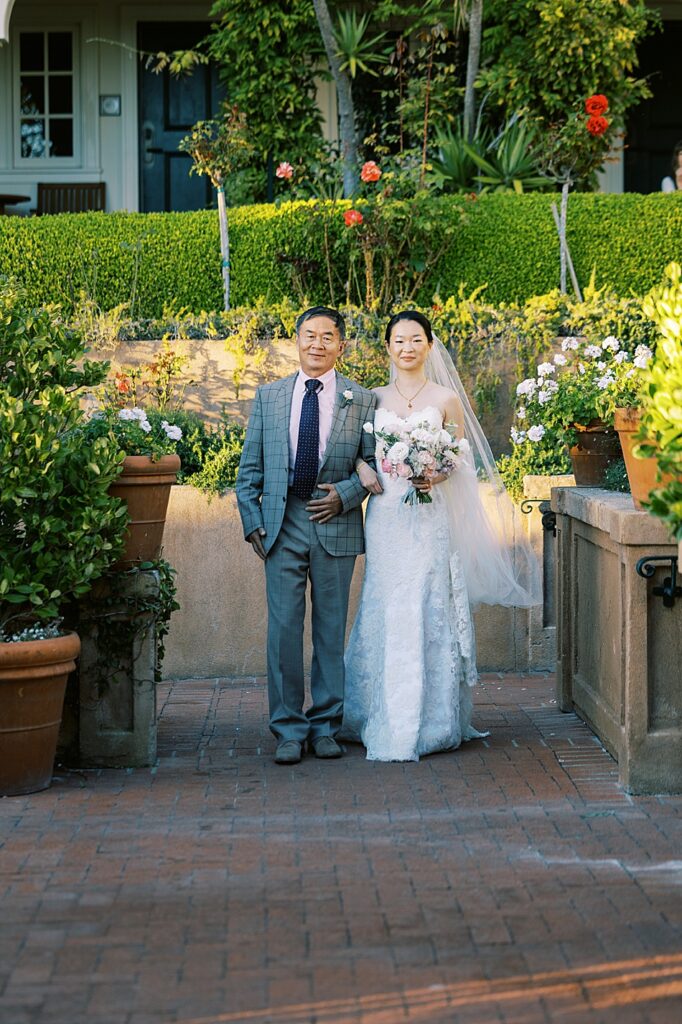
{"x": 487, "y": 533}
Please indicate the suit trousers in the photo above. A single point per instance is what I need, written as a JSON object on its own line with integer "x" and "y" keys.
{"x": 296, "y": 556}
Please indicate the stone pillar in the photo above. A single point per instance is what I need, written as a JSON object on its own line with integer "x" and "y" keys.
{"x": 116, "y": 687}
{"x": 541, "y": 621}
{"x": 619, "y": 661}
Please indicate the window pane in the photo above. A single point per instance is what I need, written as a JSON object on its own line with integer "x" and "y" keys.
{"x": 59, "y": 51}
{"x": 33, "y": 139}
{"x": 60, "y": 94}
{"x": 32, "y": 95}
{"x": 31, "y": 51}
{"x": 61, "y": 137}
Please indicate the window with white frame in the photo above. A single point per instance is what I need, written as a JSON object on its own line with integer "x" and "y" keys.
{"x": 46, "y": 72}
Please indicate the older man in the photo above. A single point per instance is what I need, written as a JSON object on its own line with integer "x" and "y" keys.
{"x": 300, "y": 502}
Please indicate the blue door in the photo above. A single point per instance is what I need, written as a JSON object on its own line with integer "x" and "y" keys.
{"x": 168, "y": 107}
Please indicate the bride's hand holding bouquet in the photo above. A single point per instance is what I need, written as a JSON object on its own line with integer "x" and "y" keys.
{"x": 419, "y": 452}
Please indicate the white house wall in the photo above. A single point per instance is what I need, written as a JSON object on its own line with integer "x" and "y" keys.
{"x": 109, "y": 146}
{"x": 108, "y": 149}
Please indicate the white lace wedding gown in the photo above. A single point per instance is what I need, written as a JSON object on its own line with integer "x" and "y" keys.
{"x": 410, "y": 662}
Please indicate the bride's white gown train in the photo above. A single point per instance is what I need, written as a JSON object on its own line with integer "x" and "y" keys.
{"x": 410, "y": 662}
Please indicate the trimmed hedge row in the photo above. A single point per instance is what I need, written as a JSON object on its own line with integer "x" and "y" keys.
{"x": 506, "y": 242}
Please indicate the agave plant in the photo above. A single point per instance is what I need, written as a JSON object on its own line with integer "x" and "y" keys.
{"x": 512, "y": 164}
{"x": 454, "y": 169}
{"x": 354, "y": 50}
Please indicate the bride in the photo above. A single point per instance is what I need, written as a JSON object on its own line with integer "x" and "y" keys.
{"x": 410, "y": 662}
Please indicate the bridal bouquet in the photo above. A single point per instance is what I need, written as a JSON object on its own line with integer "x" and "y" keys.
{"x": 417, "y": 450}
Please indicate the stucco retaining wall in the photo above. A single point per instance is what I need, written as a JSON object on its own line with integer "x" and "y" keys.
{"x": 212, "y": 370}
{"x": 220, "y": 628}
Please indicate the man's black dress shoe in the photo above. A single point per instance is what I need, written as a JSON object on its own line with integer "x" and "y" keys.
{"x": 288, "y": 752}
{"x": 326, "y": 746}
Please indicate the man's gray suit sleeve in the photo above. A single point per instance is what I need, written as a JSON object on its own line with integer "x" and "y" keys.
{"x": 250, "y": 476}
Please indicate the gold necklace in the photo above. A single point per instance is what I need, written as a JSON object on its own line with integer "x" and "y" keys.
{"x": 410, "y": 400}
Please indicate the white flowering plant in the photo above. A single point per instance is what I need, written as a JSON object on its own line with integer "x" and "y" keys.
{"x": 417, "y": 450}
{"x": 584, "y": 381}
{"x": 137, "y": 431}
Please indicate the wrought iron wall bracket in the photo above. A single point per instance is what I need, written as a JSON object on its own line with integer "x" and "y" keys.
{"x": 545, "y": 508}
{"x": 646, "y": 567}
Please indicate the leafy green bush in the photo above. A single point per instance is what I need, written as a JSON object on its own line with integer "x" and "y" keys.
{"x": 662, "y": 397}
{"x": 531, "y": 459}
{"x": 507, "y": 243}
{"x": 59, "y": 529}
{"x": 210, "y": 455}
{"x": 221, "y": 460}
{"x": 616, "y": 477}
{"x": 510, "y": 243}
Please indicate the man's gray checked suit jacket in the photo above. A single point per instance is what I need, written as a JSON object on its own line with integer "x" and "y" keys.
{"x": 263, "y": 478}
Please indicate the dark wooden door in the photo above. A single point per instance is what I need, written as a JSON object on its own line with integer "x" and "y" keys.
{"x": 168, "y": 107}
{"x": 655, "y": 125}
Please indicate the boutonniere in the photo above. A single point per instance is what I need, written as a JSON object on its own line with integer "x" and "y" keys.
{"x": 346, "y": 397}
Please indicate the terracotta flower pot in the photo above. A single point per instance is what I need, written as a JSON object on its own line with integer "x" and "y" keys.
{"x": 642, "y": 473}
{"x": 32, "y": 683}
{"x": 145, "y": 487}
{"x": 597, "y": 447}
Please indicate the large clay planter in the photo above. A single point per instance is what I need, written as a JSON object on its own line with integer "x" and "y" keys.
{"x": 32, "y": 683}
{"x": 145, "y": 487}
{"x": 596, "y": 448}
{"x": 642, "y": 473}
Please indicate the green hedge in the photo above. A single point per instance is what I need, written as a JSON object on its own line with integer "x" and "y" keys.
{"x": 505, "y": 241}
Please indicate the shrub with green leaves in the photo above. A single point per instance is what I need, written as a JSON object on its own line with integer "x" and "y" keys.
{"x": 528, "y": 459}
{"x": 59, "y": 529}
{"x": 662, "y": 421}
{"x": 547, "y": 57}
{"x": 210, "y": 454}
{"x": 505, "y": 243}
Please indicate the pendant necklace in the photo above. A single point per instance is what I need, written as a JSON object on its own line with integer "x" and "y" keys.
{"x": 410, "y": 400}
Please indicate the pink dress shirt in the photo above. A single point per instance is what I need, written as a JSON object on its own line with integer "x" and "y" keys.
{"x": 327, "y": 400}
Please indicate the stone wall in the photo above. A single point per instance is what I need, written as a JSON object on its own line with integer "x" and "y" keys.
{"x": 619, "y": 662}
{"x": 220, "y": 628}
{"x": 212, "y": 370}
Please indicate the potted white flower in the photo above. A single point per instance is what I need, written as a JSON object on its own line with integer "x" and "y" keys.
{"x": 572, "y": 398}
{"x": 150, "y": 467}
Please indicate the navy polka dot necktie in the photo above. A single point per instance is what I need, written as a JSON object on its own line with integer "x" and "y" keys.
{"x": 307, "y": 463}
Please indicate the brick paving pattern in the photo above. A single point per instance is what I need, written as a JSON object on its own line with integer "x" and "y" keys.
{"x": 509, "y": 882}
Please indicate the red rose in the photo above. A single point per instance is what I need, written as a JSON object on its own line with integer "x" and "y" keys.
{"x": 353, "y": 217}
{"x": 284, "y": 170}
{"x": 597, "y": 125}
{"x": 596, "y": 104}
{"x": 370, "y": 171}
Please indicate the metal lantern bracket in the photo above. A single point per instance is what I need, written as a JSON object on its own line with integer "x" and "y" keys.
{"x": 545, "y": 508}
{"x": 647, "y": 566}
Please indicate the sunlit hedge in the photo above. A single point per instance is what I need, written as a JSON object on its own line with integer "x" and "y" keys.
{"x": 506, "y": 242}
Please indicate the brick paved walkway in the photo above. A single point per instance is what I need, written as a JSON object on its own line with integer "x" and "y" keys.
{"x": 511, "y": 881}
